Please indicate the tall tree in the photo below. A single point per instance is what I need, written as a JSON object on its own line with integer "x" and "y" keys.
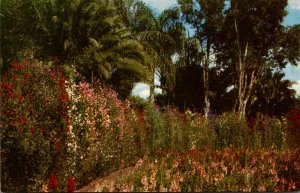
{"x": 171, "y": 24}
{"x": 206, "y": 17}
{"x": 189, "y": 79}
{"x": 250, "y": 41}
{"x": 160, "y": 35}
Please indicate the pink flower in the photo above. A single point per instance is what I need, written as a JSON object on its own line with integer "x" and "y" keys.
{"x": 44, "y": 188}
{"x": 84, "y": 85}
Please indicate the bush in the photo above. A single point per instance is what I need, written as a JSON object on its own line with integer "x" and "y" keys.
{"x": 202, "y": 131}
{"x": 231, "y": 131}
{"x": 34, "y": 124}
{"x": 293, "y": 127}
{"x": 269, "y": 132}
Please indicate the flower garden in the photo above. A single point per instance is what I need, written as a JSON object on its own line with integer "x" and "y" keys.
{"x": 59, "y": 132}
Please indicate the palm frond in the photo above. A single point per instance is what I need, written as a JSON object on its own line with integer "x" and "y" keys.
{"x": 133, "y": 66}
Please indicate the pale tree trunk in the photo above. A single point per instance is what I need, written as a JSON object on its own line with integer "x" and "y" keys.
{"x": 206, "y": 82}
{"x": 244, "y": 85}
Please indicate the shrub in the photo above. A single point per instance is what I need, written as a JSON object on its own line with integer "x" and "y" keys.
{"x": 202, "y": 131}
{"x": 231, "y": 131}
{"x": 34, "y": 124}
{"x": 269, "y": 132}
{"x": 293, "y": 128}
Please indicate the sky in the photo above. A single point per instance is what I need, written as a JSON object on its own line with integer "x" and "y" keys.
{"x": 291, "y": 73}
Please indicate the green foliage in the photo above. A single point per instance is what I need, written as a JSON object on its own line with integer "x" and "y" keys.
{"x": 273, "y": 96}
{"x": 55, "y": 124}
{"x": 88, "y": 32}
{"x": 270, "y": 133}
{"x": 18, "y": 25}
{"x": 230, "y": 131}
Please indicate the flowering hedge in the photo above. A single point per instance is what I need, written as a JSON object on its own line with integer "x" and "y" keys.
{"x": 34, "y": 124}
{"x": 53, "y": 129}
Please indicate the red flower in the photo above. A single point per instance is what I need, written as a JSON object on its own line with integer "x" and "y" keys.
{"x": 24, "y": 121}
{"x": 56, "y": 60}
{"x": 6, "y": 86}
{"x": 71, "y": 185}
{"x": 32, "y": 130}
{"x": 181, "y": 160}
{"x": 45, "y": 101}
{"x": 17, "y": 65}
{"x": 21, "y": 98}
{"x": 294, "y": 117}
{"x": 53, "y": 183}
{"x": 5, "y": 74}
{"x": 13, "y": 95}
{"x": 67, "y": 119}
{"x": 58, "y": 146}
{"x": 15, "y": 77}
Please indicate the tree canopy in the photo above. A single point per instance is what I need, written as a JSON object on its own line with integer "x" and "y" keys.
{"x": 233, "y": 62}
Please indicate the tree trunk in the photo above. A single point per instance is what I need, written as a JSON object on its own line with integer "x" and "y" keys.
{"x": 206, "y": 85}
{"x": 245, "y": 86}
{"x": 152, "y": 89}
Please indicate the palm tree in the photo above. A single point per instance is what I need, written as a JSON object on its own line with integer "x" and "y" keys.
{"x": 160, "y": 36}
{"x": 90, "y": 35}
{"x": 272, "y": 95}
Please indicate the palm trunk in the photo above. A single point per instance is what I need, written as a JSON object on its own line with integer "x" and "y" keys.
{"x": 152, "y": 89}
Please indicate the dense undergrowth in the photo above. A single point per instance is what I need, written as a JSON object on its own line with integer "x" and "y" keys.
{"x": 59, "y": 133}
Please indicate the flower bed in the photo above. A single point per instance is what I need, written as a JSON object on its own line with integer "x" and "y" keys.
{"x": 238, "y": 170}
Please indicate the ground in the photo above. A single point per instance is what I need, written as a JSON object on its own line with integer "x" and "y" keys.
{"x": 98, "y": 184}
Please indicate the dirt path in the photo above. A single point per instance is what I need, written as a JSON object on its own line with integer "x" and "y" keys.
{"x": 98, "y": 184}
